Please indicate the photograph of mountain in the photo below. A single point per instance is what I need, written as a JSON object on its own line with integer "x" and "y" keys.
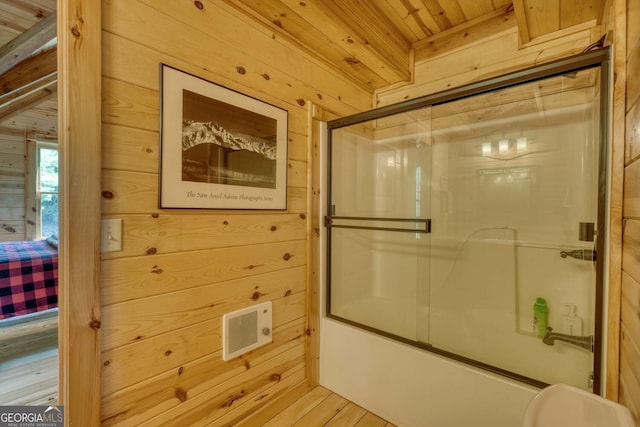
{"x": 219, "y": 148}
{"x": 223, "y": 146}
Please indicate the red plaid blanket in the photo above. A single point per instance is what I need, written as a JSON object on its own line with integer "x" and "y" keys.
{"x": 28, "y": 277}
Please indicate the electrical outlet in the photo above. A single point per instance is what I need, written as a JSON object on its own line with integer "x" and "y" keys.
{"x": 111, "y": 235}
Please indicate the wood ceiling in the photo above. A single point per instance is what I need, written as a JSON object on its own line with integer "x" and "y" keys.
{"x": 28, "y": 65}
{"x": 371, "y": 41}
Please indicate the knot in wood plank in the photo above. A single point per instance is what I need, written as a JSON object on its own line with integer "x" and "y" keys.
{"x": 95, "y": 324}
{"x": 229, "y": 400}
{"x": 275, "y": 377}
{"x": 181, "y": 394}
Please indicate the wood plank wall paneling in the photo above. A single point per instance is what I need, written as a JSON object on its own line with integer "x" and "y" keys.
{"x": 12, "y": 186}
{"x": 164, "y": 294}
{"x": 613, "y": 21}
{"x": 632, "y": 148}
{"x": 443, "y": 66}
{"x": 180, "y": 270}
{"x": 31, "y": 194}
{"x": 79, "y": 53}
{"x": 630, "y": 305}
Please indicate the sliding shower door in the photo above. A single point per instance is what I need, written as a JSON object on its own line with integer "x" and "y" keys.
{"x": 515, "y": 180}
{"x": 380, "y": 223}
{"x": 472, "y": 223}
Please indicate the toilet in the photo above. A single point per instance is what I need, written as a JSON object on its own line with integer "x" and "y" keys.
{"x": 562, "y": 405}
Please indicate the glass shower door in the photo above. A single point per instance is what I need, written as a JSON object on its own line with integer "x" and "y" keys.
{"x": 471, "y": 223}
{"x": 380, "y": 223}
{"x": 515, "y": 180}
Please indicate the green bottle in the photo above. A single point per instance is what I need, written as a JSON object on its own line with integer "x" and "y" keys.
{"x": 540, "y": 316}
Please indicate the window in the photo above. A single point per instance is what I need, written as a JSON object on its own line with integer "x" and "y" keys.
{"x": 47, "y": 189}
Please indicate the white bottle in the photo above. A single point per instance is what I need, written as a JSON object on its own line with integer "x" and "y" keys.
{"x": 571, "y": 324}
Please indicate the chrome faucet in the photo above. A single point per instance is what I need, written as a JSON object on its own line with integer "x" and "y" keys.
{"x": 585, "y": 342}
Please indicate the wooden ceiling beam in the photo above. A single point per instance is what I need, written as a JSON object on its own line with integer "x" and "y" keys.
{"x": 30, "y": 70}
{"x": 521, "y": 19}
{"x": 28, "y": 83}
{"x": 28, "y": 42}
{"x": 31, "y": 95}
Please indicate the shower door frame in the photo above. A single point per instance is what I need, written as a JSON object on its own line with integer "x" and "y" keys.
{"x": 590, "y": 59}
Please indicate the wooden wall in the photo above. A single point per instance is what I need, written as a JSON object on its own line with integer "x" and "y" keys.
{"x": 12, "y": 185}
{"x": 487, "y": 49}
{"x": 630, "y": 307}
{"x": 164, "y": 294}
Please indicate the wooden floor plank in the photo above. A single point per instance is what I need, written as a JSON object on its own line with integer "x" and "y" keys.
{"x": 348, "y": 416}
{"x": 371, "y": 420}
{"x": 322, "y": 408}
{"x": 32, "y": 380}
{"x": 326, "y": 410}
{"x": 300, "y": 408}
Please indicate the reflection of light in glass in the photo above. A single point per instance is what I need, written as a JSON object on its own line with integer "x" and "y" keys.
{"x": 521, "y": 145}
{"x": 503, "y": 146}
{"x": 486, "y": 149}
{"x": 391, "y": 162}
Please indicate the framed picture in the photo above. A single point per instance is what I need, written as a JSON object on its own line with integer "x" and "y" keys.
{"x": 220, "y": 149}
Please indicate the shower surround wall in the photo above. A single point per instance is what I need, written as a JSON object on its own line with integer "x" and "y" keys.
{"x": 499, "y": 226}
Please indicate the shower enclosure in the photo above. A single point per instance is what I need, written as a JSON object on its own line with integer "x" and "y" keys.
{"x": 471, "y": 223}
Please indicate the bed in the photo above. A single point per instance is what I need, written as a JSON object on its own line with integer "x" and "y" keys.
{"x": 28, "y": 277}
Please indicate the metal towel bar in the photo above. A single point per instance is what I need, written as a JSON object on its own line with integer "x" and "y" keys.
{"x": 328, "y": 222}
